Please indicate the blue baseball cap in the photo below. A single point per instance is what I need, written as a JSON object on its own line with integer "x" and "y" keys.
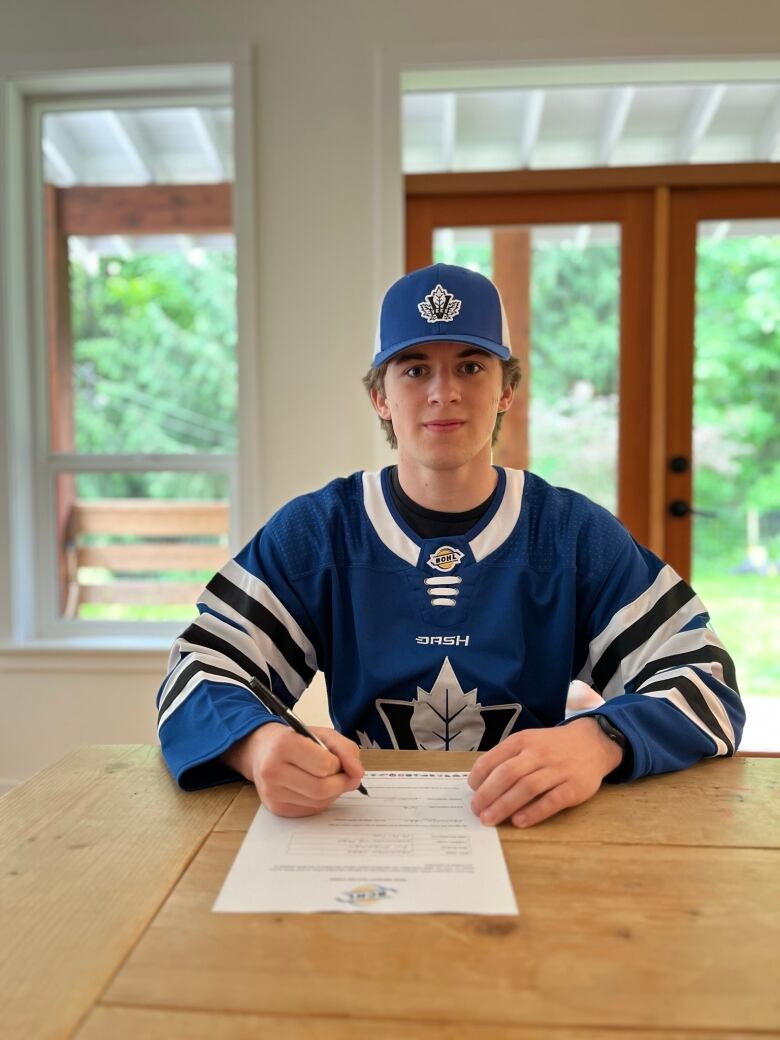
{"x": 445, "y": 303}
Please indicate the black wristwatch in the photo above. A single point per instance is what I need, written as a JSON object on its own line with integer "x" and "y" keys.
{"x": 612, "y": 732}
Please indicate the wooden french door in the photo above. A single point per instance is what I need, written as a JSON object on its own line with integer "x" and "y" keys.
{"x": 752, "y": 215}
{"x": 632, "y": 212}
{"x": 659, "y": 212}
{"x": 698, "y": 450}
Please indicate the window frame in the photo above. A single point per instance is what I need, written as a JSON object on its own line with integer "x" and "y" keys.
{"x": 29, "y": 612}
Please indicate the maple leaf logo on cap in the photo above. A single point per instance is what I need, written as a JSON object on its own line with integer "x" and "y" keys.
{"x": 439, "y": 305}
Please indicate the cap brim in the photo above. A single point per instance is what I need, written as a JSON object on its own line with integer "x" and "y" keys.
{"x": 500, "y": 351}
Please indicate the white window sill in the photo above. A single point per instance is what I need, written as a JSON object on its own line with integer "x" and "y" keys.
{"x": 86, "y": 654}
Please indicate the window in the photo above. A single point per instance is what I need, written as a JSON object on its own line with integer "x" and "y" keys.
{"x": 125, "y": 479}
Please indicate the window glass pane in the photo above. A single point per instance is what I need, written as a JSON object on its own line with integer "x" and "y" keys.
{"x": 141, "y": 280}
{"x": 736, "y": 549}
{"x": 154, "y": 346}
{"x": 139, "y": 546}
{"x": 567, "y": 339}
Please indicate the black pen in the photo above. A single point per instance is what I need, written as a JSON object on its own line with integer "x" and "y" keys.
{"x": 270, "y": 701}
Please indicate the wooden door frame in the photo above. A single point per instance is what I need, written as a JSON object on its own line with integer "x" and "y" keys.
{"x": 633, "y": 211}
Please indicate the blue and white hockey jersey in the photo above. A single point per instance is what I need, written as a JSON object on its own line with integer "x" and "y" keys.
{"x": 450, "y": 643}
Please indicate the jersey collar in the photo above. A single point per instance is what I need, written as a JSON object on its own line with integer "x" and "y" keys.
{"x": 488, "y": 534}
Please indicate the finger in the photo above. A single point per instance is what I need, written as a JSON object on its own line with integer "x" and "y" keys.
{"x": 487, "y": 762}
{"x": 519, "y": 795}
{"x": 309, "y": 756}
{"x": 291, "y": 808}
{"x": 503, "y": 778}
{"x": 560, "y": 797}
{"x": 345, "y": 749}
{"x": 308, "y": 788}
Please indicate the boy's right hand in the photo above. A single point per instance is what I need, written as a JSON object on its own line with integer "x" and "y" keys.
{"x": 293, "y": 775}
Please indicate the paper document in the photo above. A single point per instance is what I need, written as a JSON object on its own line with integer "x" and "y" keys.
{"x": 412, "y": 847}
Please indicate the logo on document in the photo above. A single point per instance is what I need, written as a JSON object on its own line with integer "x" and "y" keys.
{"x": 366, "y": 895}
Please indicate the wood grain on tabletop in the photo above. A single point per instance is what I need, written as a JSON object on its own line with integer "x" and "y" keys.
{"x": 678, "y": 937}
{"x": 132, "y": 1023}
{"x": 89, "y": 848}
{"x": 703, "y": 805}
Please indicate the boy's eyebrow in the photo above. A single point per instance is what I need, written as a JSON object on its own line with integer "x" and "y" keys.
{"x": 416, "y": 355}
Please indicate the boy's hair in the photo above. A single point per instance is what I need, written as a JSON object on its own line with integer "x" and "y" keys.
{"x": 374, "y": 379}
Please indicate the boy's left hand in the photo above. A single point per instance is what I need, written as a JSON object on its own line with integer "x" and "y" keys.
{"x": 535, "y": 773}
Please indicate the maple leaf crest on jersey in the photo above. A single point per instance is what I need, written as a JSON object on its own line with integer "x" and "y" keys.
{"x": 446, "y": 717}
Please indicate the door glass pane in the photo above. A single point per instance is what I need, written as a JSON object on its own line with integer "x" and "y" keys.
{"x": 561, "y": 289}
{"x": 736, "y": 551}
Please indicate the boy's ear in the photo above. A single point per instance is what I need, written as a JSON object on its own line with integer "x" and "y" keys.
{"x": 506, "y": 398}
{"x": 379, "y": 402}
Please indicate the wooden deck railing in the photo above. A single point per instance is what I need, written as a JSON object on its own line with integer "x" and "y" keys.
{"x": 138, "y": 542}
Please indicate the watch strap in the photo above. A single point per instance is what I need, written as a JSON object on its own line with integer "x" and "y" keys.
{"x": 612, "y": 731}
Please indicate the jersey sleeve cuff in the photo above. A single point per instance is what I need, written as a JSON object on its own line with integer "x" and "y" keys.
{"x": 203, "y": 728}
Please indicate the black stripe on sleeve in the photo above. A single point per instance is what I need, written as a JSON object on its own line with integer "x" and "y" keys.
{"x": 701, "y": 655}
{"x": 263, "y": 619}
{"x": 638, "y": 633}
{"x": 200, "y": 637}
{"x": 187, "y": 673}
{"x": 697, "y": 703}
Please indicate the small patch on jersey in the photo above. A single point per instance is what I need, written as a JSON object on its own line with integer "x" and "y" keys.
{"x": 445, "y": 559}
{"x": 439, "y": 305}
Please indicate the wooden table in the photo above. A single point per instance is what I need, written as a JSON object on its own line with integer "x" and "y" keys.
{"x": 650, "y": 911}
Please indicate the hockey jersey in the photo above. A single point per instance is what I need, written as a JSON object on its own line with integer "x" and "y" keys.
{"x": 449, "y": 644}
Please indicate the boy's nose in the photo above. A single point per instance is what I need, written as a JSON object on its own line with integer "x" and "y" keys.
{"x": 443, "y": 387}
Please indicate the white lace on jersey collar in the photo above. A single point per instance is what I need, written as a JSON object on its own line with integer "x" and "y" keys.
{"x": 489, "y": 539}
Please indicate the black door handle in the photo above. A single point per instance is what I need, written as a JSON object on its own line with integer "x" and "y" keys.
{"x": 679, "y": 507}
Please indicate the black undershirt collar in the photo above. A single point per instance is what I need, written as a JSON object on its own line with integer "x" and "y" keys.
{"x": 431, "y": 523}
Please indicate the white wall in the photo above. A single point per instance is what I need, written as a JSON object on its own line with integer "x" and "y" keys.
{"x": 328, "y": 231}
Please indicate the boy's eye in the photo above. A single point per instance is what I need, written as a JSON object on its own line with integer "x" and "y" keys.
{"x": 414, "y": 371}
{"x": 471, "y": 367}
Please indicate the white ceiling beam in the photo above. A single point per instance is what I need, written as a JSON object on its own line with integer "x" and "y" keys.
{"x": 61, "y": 151}
{"x": 706, "y": 102}
{"x": 530, "y": 121}
{"x": 616, "y": 112}
{"x": 768, "y": 137}
{"x": 449, "y": 129}
{"x": 204, "y": 128}
{"x": 127, "y": 134}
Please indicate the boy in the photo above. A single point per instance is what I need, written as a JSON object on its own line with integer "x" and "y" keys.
{"x": 449, "y": 604}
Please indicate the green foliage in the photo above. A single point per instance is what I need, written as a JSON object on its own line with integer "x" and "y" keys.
{"x": 575, "y": 306}
{"x": 737, "y": 371}
{"x": 155, "y": 364}
{"x": 744, "y": 609}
